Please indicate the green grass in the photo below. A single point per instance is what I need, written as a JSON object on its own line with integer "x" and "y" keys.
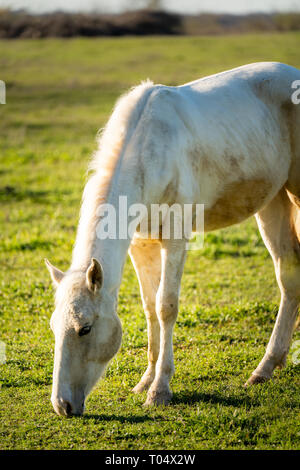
{"x": 59, "y": 93}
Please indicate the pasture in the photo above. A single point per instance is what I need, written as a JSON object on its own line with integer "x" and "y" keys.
{"x": 59, "y": 93}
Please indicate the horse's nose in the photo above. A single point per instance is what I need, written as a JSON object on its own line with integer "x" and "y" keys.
{"x": 65, "y": 408}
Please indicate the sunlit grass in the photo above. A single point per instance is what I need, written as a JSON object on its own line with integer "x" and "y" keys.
{"x": 59, "y": 93}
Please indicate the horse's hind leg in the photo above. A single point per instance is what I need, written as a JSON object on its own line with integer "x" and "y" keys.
{"x": 278, "y": 227}
{"x": 146, "y": 258}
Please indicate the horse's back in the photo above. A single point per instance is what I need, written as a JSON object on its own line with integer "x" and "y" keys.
{"x": 227, "y": 141}
{"x": 278, "y": 75}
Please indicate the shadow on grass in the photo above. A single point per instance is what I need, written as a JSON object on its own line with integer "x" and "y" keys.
{"x": 29, "y": 246}
{"x": 12, "y": 193}
{"x": 190, "y": 398}
{"x": 122, "y": 419}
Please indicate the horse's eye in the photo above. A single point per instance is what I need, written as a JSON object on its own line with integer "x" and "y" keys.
{"x": 85, "y": 330}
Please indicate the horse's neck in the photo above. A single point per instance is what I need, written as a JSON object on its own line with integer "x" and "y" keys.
{"x": 111, "y": 253}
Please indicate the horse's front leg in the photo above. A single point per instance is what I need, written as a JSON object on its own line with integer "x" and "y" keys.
{"x": 173, "y": 257}
{"x": 145, "y": 256}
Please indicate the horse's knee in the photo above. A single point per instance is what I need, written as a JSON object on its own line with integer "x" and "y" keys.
{"x": 168, "y": 309}
{"x": 149, "y": 309}
{"x": 289, "y": 276}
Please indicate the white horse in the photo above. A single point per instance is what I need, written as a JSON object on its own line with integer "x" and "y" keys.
{"x": 230, "y": 141}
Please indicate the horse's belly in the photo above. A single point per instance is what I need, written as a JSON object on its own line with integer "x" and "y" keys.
{"x": 236, "y": 202}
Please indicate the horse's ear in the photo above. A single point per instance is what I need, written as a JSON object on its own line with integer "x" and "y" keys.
{"x": 94, "y": 276}
{"x": 56, "y": 274}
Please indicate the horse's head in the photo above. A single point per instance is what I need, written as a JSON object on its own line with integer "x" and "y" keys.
{"x": 87, "y": 335}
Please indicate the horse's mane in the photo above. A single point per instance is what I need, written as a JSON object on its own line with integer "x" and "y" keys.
{"x": 112, "y": 140}
{"x": 125, "y": 114}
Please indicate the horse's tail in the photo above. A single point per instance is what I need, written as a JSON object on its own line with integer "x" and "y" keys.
{"x": 121, "y": 124}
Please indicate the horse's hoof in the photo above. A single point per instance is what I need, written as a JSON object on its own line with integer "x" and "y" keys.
{"x": 254, "y": 380}
{"x": 141, "y": 387}
{"x": 158, "y": 398}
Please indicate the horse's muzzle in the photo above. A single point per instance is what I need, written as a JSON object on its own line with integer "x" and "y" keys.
{"x": 67, "y": 407}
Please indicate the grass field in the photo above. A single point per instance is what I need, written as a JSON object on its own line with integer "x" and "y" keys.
{"x": 59, "y": 93}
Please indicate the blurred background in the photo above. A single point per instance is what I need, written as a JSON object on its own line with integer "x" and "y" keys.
{"x": 37, "y": 18}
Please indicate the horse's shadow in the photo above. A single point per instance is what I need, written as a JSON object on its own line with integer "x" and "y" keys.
{"x": 192, "y": 397}
{"x": 180, "y": 398}
{"x": 122, "y": 419}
